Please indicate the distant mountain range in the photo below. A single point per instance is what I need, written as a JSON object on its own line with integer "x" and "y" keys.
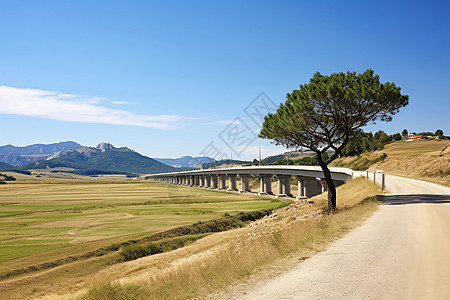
{"x": 186, "y": 161}
{"x": 20, "y": 156}
{"x": 104, "y": 158}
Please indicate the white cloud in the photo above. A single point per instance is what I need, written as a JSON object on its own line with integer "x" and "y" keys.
{"x": 122, "y": 102}
{"x": 66, "y": 107}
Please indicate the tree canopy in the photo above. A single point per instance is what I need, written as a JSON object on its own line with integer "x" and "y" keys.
{"x": 325, "y": 113}
{"x": 439, "y": 132}
{"x": 405, "y": 133}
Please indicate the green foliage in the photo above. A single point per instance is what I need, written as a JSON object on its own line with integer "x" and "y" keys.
{"x": 396, "y": 137}
{"x": 7, "y": 178}
{"x": 136, "y": 251}
{"x": 428, "y": 133}
{"x": 362, "y": 142}
{"x": 444, "y": 173}
{"x": 439, "y": 132}
{"x": 405, "y": 133}
{"x": 325, "y": 113}
{"x": 362, "y": 163}
{"x": 225, "y": 162}
{"x": 116, "y": 291}
{"x": 16, "y": 170}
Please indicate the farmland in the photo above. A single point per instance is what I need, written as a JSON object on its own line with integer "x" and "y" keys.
{"x": 41, "y": 222}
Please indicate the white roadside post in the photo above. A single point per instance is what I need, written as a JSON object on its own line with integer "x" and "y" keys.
{"x": 383, "y": 179}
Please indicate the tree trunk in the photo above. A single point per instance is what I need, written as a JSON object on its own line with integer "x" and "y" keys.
{"x": 330, "y": 185}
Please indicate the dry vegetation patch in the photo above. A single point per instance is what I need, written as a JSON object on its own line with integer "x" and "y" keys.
{"x": 426, "y": 159}
{"x": 218, "y": 260}
{"x": 51, "y": 234}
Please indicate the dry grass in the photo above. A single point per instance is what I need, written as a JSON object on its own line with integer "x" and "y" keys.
{"x": 221, "y": 259}
{"x": 45, "y": 176}
{"x": 52, "y": 227}
{"x": 425, "y": 160}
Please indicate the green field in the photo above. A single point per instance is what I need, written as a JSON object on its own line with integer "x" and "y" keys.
{"x": 43, "y": 222}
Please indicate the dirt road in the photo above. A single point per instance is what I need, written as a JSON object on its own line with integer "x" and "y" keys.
{"x": 401, "y": 252}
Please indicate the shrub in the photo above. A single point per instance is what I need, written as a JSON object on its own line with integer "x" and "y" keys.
{"x": 116, "y": 291}
{"x": 134, "y": 251}
{"x": 8, "y": 178}
{"x": 154, "y": 248}
{"x": 18, "y": 171}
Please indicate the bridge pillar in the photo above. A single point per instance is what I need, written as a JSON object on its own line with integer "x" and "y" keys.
{"x": 201, "y": 181}
{"x": 222, "y": 182}
{"x": 323, "y": 185}
{"x": 214, "y": 181}
{"x": 196, "y": 180}
{"x": 245, "y": 183}
{"x": 284, "y": 185}
{"x": 266, "y": 184}
{"x": 301, "y": 187}
{"x": 232, "y": 186}
{"x": 311, "y": 187}
{"x": 207, "y": 181}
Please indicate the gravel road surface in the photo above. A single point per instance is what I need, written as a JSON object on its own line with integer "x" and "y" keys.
{"x": 401, "y": 252}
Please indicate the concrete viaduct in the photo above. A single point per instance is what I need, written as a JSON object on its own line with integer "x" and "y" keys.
{"x": 310, "y": 179}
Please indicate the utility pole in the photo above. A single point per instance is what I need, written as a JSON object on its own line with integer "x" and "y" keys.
{"x": 259, "y": 149}
{"x": 287, "y": 160}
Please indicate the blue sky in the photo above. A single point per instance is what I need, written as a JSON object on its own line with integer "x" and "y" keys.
{"x": 167, "y": 78}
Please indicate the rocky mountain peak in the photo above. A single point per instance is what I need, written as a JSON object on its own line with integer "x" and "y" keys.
{"x": 105, "y": 146}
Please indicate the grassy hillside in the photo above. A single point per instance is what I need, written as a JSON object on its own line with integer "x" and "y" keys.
{"x": 294, "y": 155}
{"x": 426, "y": 159}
